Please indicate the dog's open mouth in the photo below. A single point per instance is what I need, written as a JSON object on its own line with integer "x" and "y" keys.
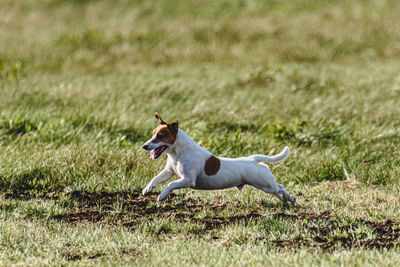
{"x": 157, "y": 152}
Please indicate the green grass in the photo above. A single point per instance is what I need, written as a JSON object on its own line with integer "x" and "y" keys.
{"x": 81, "y": 80}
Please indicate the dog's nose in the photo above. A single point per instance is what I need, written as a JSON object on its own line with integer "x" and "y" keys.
{"x": 146, "y": 147}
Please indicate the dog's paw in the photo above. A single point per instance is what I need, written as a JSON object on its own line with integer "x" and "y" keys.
{"x": 162, "y": 196}
{"x": 147, "y": 190}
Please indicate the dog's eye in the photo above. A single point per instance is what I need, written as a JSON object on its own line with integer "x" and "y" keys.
{"x": 160, "y": 135}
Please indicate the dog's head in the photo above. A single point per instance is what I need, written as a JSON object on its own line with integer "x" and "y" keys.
{"x": 163, "y": 138}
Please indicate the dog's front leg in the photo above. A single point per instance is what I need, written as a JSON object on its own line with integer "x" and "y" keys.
{"x": 181, "y": 183}
{"x": 163, "y": 176}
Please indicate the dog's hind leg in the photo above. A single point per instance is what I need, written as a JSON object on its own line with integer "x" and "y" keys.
{"x": 272, "y": 191}
{"x": 267, "y": 183}
{"x": 280, "y": 192}
{"x": 286, "y": 195}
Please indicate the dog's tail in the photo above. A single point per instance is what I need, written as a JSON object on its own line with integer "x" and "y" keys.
{"x": 272, "y": 159}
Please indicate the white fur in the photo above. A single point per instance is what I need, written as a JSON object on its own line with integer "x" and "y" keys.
{"x": 186, "y": 159}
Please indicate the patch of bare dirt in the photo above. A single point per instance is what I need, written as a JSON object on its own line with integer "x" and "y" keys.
{"x": 387, "y": 233}
{"x": 211, "y": 223}
{"x": 96, "y": 207}
{"x": 92, "y": 256}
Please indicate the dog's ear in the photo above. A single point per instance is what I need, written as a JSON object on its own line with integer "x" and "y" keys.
{"x": 173, "y": 127}
{"x": 158, "y": 117}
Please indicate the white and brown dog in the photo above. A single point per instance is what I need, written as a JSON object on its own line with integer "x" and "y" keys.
{"x": 198, "y": 168}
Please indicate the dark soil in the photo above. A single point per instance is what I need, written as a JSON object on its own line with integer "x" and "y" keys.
{"x": 135, "y": 209}
{"x": 81, "y": 256}
{"x": 387, "y": 234}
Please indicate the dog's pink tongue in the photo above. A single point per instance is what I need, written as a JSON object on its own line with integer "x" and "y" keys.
{"x": 152, "y": 154}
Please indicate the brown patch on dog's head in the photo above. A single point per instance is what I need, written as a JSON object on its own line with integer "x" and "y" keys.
{"x": 165, "y": 132}
{"x": 212, "y": 165}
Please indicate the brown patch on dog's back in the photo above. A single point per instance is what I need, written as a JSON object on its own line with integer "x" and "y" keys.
{"x": 212, "y": 165}
{"x": 163, "y": 134}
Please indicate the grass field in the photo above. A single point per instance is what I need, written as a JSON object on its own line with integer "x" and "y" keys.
{"x": 81, "y": 80}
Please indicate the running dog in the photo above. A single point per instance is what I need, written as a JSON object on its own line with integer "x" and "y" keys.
{"x": 198, "y": 168}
